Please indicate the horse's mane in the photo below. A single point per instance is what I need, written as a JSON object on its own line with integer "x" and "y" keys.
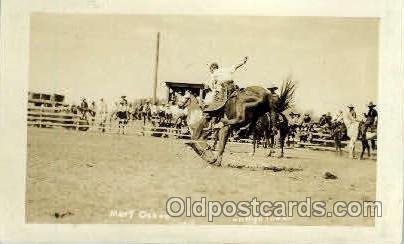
{"x": 286, "y": 96}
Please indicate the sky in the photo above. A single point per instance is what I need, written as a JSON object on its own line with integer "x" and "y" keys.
{"x": 333, "y": 60}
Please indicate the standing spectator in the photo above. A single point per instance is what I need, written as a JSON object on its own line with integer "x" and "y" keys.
{"x": 350, "y": 117}
{"x": 306, "y": 121}
{"x": 328, "y": 118}
{"x": 84, "y": 107}
{"x": 92, "y": 111}
{"x": 102, "y": 114}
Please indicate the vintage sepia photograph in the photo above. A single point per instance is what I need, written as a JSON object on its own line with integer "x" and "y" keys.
{"x": 196, "y": 119}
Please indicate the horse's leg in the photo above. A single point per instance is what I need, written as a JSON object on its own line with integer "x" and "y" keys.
{"x": 282, "y": 147}
{"x": 271, "y": 145}
{"x": 363, "y": 148}
{"x": 254, "y": 142}
{"x": 198, "y": 133}
{"x": 351, "y": 147}
{"x": 281, "y": 142}
{"x": 223, "y": 137}
{"x": 373, "y": 143}
{"x": 368, "y": 147}
{"x": 215, "y": 139}
{"x": 266, "y": 134}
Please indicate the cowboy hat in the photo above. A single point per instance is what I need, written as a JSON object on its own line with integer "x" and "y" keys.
{"x": 371, "y": 104}
{"x": 351, "y": 106}
{"x": 273, "y": 87}
{"x": 123, "y": 96}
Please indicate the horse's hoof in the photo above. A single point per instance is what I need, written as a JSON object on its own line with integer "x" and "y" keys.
{"x": 218, "y": 162}
{"x": 215, "y": 164}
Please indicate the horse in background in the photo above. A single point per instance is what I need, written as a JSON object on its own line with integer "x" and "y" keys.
{"x": 274, "y": 133}
{"x": 262, "y": 131}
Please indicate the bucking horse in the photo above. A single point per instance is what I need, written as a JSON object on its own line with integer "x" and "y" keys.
{"x": 242, "y": 107}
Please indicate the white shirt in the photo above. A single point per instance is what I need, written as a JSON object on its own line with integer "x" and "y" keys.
{"x": 209, "y": 98}
{"x": 221, "y": 75}
{"x": 348, "y": 118}
{"x": 122, "y": 106}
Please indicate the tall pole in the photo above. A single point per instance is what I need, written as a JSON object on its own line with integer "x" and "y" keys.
{"x": 156, "y": 69}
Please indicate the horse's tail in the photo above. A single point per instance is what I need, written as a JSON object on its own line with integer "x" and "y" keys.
{"x": 286, "y": 96}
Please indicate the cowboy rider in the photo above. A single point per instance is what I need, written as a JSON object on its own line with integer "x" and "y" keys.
{"x": 220, "y": 76}
{"x": 371, "y": 121}
{"x": 371, "y": 117}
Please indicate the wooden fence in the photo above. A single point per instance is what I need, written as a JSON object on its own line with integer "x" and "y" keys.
{"x": 51, "y": 117}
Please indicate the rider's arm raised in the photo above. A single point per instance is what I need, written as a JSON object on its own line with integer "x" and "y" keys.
{"x": 241, "y": 64}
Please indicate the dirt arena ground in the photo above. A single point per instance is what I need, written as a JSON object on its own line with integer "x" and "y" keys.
{"x": 88, "y": 177}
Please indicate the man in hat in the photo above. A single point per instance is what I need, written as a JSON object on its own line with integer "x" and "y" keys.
{"x": 102, "y": 114}
{"x": 306, "y": 118}
{"x": 350, "y": 117}
{"x": 371, "y": 116}
{"x": 274, "y": 99}
{"x": 123, "y": 100}
{"x": 291, "y": 117}
{"x": 84, "y": 104}
{"x": 122, "y": 114}
{"x": 84, "y": 107}
{"x": 328, "y": 118}
{"x": 371, "y": 121}
{"x": 322, "y": 121}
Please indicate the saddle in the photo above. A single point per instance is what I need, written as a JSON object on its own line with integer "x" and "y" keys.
{"x": 220, "y": 98}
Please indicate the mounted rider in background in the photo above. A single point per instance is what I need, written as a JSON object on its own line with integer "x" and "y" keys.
{"x": 371, "y": 122}
{"x": 274, "y": 99}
